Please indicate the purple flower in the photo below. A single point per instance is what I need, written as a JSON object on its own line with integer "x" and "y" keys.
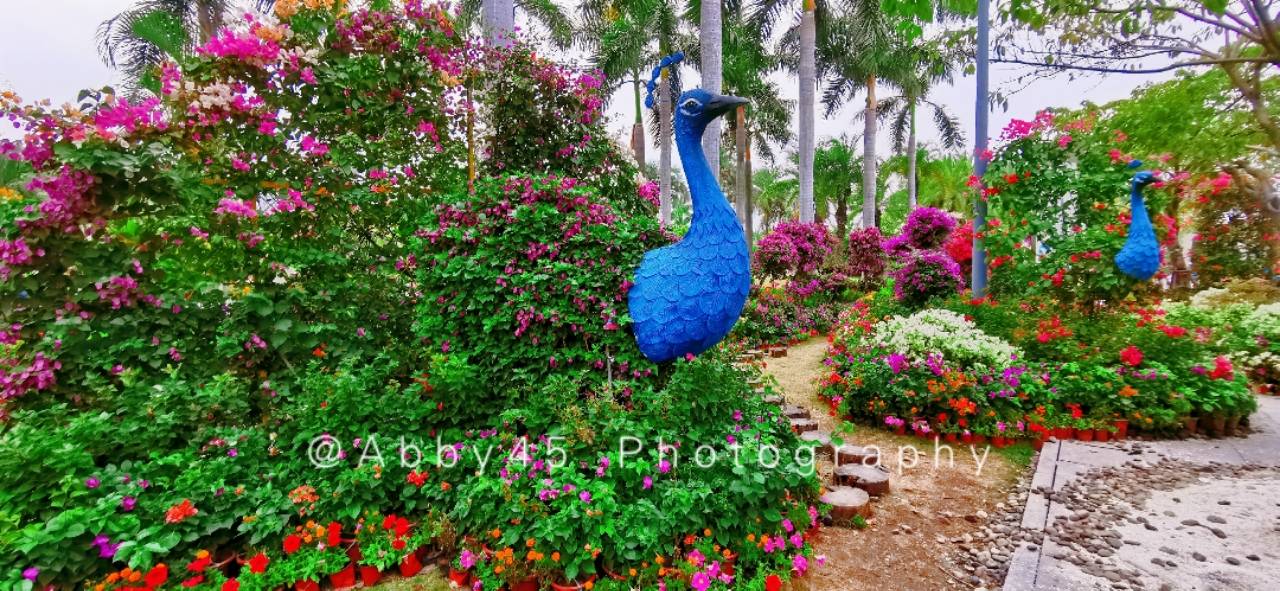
{"x": 92, "y": 482}
{"x": 927, "y": 228}
{"x": 585, "y": 496}
{"x": 664, "y": 467}
{"x": 800, "y": 563}
{"x": 128, "y": 503}
{"x": 648, "y": 482}
{"x": 30, "y": 573}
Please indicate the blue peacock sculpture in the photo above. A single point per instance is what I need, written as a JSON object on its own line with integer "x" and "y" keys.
{"x": 1140, "y": 256}
{"x": 687, "y": 296}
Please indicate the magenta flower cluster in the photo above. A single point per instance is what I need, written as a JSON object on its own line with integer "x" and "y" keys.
{"x": 927, "y": 228}
{"x": 927, "y": 274}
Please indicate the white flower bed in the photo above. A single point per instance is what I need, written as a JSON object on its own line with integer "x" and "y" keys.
{"x": 945, "y": 333}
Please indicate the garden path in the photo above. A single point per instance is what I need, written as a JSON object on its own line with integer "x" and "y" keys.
{"x": 908, "y": 541}
{"x": 1192, "y": 514}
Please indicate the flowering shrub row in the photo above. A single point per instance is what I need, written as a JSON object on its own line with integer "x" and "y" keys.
{"x": 282, "y": 246}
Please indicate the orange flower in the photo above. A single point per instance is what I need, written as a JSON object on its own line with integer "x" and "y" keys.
{"x": 555, "y": 557}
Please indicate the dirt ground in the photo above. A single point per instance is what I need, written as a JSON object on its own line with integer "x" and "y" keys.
{"x": 906, "y": 543}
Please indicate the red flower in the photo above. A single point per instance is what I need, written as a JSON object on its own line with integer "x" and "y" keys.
{"x": 1222, "y": 369}
{"x": 193, "y": 581}
{"x": 198, "y": 565}
{"x": 388, "y": 522}
{"x": 398, "y": 543}
{"x": 1011, "y": 178}
{"x": 292, "y": 543}
{"x": 772, "y": 583}
{"x": 258, "y": 564}
{"x": 335, "y": 533}
{"x": 231, "y": 585}
{"x": 1131, "y": 355}
{"x": 1173, "y": 331}
{"x": 156, "y": 576}
{"x": 179, "y": 512}
{"x": 401, "y": 526}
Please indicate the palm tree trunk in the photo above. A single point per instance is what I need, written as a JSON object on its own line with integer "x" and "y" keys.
{"x": 911, "y": 158}
{"x": 499, "y": 21}
{"x": 209, "y": 16}
{"x": 637, "y": 129}
{"x": 808, "y": 87}
{"x": 664, "y": 149}
{"x": 750, "y": 188}
{"x": 710, "y": 39}
{"x": 740, "y": 189}
{"x": 842, "y": 217}
{"x": 869, "y": 205}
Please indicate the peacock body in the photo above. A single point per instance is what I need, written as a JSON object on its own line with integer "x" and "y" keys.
{"x": 687, "y": 296}
{"x": 1140, "y": 256}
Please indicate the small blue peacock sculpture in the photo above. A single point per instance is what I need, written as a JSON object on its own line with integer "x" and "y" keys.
{"x": 1140, "y": 256}
{"x": 687, "y": 296}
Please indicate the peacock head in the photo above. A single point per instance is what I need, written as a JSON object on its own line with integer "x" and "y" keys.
{"x": 1143, "y": 178}
{"x": 696, "y": 108}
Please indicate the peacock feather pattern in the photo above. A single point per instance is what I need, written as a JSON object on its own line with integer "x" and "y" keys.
{"x": 1140, "y": 256}
{"x": 687, "y": 296}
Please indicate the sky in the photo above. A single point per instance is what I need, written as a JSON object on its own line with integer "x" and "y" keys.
{"x": 48, "y": 51}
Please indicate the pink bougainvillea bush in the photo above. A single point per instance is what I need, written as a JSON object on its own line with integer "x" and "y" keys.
{"x": 243, "y": 306}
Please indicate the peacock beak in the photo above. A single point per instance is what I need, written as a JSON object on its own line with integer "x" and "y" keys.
{"x": 723, "y": 103}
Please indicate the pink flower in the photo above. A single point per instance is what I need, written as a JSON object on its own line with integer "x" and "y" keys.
{"x": 799, "y": 563}
{"x": 236, "y": 207}
{"x": 648, "y": 483}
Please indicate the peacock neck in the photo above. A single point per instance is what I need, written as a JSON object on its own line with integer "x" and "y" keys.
{"x": 1137, "y": 206}
{"x": 708, "y": 200}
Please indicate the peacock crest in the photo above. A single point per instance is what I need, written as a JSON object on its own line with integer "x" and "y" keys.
{"x": 687, "y": 296}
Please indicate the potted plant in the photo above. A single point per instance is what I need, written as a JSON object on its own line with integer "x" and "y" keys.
{"x": 460, "y": 568}
{"x": 1084, "y": 429}
{"x": 305, "y": 564}
{"x": 383, "y": 546}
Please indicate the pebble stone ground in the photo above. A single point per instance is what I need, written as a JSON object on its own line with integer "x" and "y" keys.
{"x": 1194, "y": 514}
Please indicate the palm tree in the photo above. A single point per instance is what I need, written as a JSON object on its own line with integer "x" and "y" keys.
{"x": 128, "y": 41}
{"x": 497, "y": 19}
{"x": 835, "y": 172}
{"x": 901, "y": 111}
{"x": 800, "y": 41}
{"x": 864, "y": 47}
{"x": 710, "y": 53}
{"x": 765, "y": 121}
{"x": 775, "y": 193}
{"x": 943, "y": 180}
{"x": 625, "y": 39}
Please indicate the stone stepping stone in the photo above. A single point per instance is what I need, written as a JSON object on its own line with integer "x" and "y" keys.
{"x": 847, "y": 503}
{"x": 796, "y": 412}
{"x": 804, "y": 425}
{"x": 822, "y": 439}
{"x": 856, "y": 454}
{"x": 873, "y": 479}
{"x": 774, "y": 399}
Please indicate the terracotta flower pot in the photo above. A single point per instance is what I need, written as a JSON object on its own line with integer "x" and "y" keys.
{"x": 410, "y": 565}
{"x": 1062, "y": 433}
{"x": 1218, "y": 423}
{"x": 353, "y": 550}
{"x": 1101, "y": 435}
{"x": 1233, "y": 423}
{"x": 369, "y": 575}
{"x": 529, "y": 584}
{"x": 461, "y": 577}
{"x": 574, "y": 586}
{"x": 1189, "y": 425}
{"x": 345, "y": 578}
{"x": 306, "y": 585}
{"x": 1122, "y": 428}
{"x": 1084, "y": 434}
